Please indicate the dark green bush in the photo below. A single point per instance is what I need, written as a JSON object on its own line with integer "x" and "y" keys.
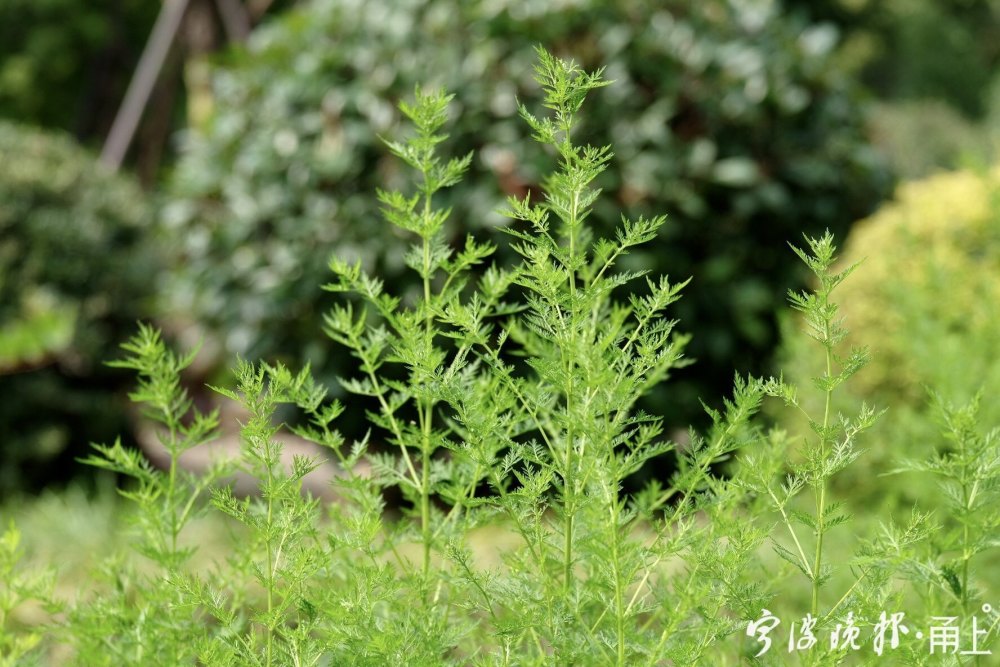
{"x": 918, "y": 49}
{"x": 726, "y": 115}
{"x": 65, "y": 63}
{"x": 76, "y": 269}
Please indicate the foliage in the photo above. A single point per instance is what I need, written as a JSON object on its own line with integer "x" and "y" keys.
{"x": 43, "y": 327}
{"x": 508, "y": 397}
{"x": 726, "y": 115}
{"x": 832, "y": 447}
{"x": 887, "y": 43}
{"x": 17, "y": 587}
{"x": 923, "y": 303}
{"x": 967, "y": 467}
{"x": 787, "y": 468}
{"x": 76, "y": 269}
{"x": 938, "y": 107}
{"x": 922, "y": 138}
{"x": 559, "y": 433}
{"x": 69, "y": 74}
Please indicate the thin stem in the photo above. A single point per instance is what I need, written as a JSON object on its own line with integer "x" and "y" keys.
{"x": 270, "y": 560}
{"x": 569, "y": 481}
{"x": 171, "y": 491}
{"x": 568, "y": 550}
{"x": 968, "y": 502}
{"x": 380, "y": 395}
{"x": 968, "y": 496}
{"x": 795, "y": 538}
{"x": 821, "y": 492}
{"x": 619, "y": 587}
{"x": 843, "y": 598}
{"x": 426, "y": 413}
{"x": 425, "y": 506}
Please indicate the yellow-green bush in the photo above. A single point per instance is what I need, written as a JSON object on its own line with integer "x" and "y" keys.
{"x": 934, "y": 265}
{"x": 925, "y": 303}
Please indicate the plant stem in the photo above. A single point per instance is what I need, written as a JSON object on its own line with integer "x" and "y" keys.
{"x": 568, "y": 546}
{"x": 968, "y": 496}
{"x": 821, "y": 492}
{"x": 425, "y": 504}
{"x": 619, "y": 592}
{"x": 569, "y": 480}
{"x": 427, "y": 407}
{"x": 171, "y": 493}
{"x": 270, "y": 559}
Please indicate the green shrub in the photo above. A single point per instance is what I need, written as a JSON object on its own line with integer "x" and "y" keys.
{"x": 923, "y": 303}
{"x": 726, "y": 115}
{"x": 76, "y": 270}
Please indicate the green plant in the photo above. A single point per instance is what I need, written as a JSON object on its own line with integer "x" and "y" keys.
{"x": 918, "y": 303}
{"x": 16, "y": 588}
{"x": 790, "y": 467}
{"x": 966, "y": 466}
{"x": 832, "y": 446}
{"x": 540, "y": 446}
{"x": 508, "y": 401}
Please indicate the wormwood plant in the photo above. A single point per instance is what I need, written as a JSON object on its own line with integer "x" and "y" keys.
{"x": 830, "y": 446}
{"x": 550, "y": 438}
{"x": 18, "y": 587}
{"x": 583, "y": 581}
{"x": 507, "y": 400}
{"x": 501, "y": 401}
{"x": 967, "y": 472}
{"x": 141, "y": 617}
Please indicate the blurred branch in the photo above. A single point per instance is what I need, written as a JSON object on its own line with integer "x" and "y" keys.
{"x": 141, "y": 86}
{"x": 235, "y": 19}
{"x": 258, "y": 8}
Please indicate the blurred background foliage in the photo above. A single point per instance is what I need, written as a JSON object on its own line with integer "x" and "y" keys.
{"x": 748, "y": 121}
{"x": 65, "y": 63}
{"x": 730, "y": 116}
{"x": 917, "y": 49}
{"x": 77, "y": 264}
{"x": 923, "y": 301}
{"x": 933, "y": 66}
